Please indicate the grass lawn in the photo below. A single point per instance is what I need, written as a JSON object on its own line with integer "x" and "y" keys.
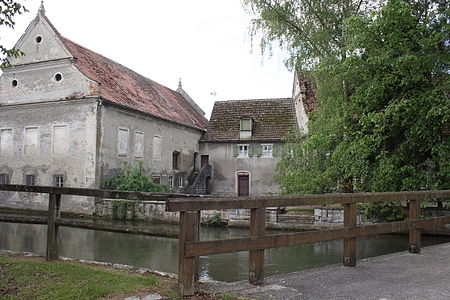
{"x": 23, "y": 277}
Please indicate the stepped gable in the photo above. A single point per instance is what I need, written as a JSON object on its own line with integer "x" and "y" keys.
{"x": 123, "y": 86}
{"x": 272, "y": 118}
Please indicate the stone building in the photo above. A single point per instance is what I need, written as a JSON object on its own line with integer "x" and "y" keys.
{"x": 71, "y": 117}
{"x": 243, "y": 144}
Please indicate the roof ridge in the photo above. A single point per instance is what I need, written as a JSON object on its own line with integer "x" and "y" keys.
{"x": 255, "y": 99}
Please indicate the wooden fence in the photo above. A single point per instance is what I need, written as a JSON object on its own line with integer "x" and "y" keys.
{"x": 191, "y": 247}
{"x": 190, "y": 207}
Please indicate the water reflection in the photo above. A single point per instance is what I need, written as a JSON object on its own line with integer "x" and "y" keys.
{"x": 162, "y": 253}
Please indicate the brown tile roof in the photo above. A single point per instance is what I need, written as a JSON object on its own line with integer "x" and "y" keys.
{"x": 123, "y": 86}
{"x": 308, "y": 89}
{"x": 272, "y": 118}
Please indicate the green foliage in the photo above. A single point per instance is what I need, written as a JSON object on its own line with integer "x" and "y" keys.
{"x": 382, "y": 107}
{"x": 24, "y": 279}
{"x": 8, "y": 10}
{"x": 131, "y": 178}
{"x": 215, "y": 220}
{"x": 388, "y": 211}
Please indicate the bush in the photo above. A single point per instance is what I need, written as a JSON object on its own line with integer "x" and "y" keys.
{"x": 131, "y": 178}
{"x": 385, "y": 212}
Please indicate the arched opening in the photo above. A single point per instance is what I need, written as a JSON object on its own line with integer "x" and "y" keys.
{"x": 195, "y": 162}
{"x": 208, "y": 186}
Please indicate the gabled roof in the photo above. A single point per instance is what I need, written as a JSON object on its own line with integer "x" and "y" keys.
{"x": 123, "y": 86}
{"x": 272, "y": 118}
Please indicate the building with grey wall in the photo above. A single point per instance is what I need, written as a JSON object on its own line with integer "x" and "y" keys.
{"x": 72, "y": 117}
{"x": 244, "y": 142}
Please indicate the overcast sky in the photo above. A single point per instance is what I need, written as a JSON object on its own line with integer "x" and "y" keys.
{"x": 205, "y": 42}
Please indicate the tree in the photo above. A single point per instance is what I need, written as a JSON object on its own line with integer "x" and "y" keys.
{"x": 8, "y": 10}
{"x": 382, "y": 92}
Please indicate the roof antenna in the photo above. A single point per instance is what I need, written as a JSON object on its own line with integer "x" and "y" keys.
{"x": 41, "y": 8}
{"x": 179, "y": 84}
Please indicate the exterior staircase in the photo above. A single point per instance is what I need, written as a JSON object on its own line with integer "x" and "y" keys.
{"x": 198, "y": 182}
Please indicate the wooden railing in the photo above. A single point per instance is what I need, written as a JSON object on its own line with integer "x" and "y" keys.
{"x": 191, "y": 247}
{"x": 54, "y": 220}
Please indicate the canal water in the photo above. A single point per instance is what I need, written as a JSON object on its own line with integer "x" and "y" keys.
{"x": 162, "y": 253}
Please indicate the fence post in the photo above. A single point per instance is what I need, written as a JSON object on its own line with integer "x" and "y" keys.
{"x": 349, "y": 255}
{"x": 186, "y": 265}
{"x": 256, "y": 259}
{"x": 414, "y": 235}
{"x": 54, "y": 209}
{"x": 197, "y": 238}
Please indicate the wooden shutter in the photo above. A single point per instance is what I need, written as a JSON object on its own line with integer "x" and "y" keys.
{"x": 250, "y": 150}
{"x": 235, "y": 151}
{"x": 259, "y": 150}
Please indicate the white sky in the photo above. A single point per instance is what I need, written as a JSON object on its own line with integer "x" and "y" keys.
{"x": 205, "y": 42}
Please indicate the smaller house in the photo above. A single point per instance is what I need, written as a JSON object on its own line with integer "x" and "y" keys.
{"x": 243, "y": 144}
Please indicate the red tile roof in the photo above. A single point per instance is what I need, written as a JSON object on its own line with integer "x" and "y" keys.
{"x": 123, "y": 86}
{"x": 272, "y": 118}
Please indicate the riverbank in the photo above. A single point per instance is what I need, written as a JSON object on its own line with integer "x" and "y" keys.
{"x": 27, "y": 276}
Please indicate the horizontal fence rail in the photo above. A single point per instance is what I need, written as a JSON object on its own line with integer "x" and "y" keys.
{"x": 212, "y": 203}
{"x": 191, "y": 247}
{"x": 190, "y": 207}
{"x": 108, "y": 194}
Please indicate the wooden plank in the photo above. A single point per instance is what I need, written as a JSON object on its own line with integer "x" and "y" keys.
{"x": 186, "y": 265}
{"x": 178, "y": 204}
{"x": 349, "y": 251}
{"x": 256, "y": 258}
{"x": 289, "y": 239}
{"x": 414, "y": 234}
{"x": 111, "y": 194}
{"x": 197, "y": 238}
{"x": 54, "y": 210}
{"x": 23, "y": 219}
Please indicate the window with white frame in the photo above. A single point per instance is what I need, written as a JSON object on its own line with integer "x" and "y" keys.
{"x": 60, "y": 139}
{"x": 267, "y": 150}
{"x": 122, "y": 141}
{"x": 243, "y": 150}
{"x": 30, "y": 179}
{"x": 31, "y": 141}
{"x": 170, "y": 181}
{"x": 58, "y": 180}
{"x": 138, "y": 144}
{"x": 157, "y": 141}
{"x": 6, "y": 142}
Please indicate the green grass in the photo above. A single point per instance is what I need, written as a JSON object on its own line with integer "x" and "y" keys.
{"x": 29, "y": 279}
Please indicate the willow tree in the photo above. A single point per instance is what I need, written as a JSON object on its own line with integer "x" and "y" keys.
{"x": 382, "y": 118}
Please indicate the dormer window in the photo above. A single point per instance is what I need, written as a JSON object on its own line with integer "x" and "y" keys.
{"x": 246, "y": 128}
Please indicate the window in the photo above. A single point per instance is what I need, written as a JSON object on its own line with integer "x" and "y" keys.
{"x": 60, "y": 139}
{"x": 122, "y": 142}
{"x": 157, "y": 141}
{"x": 156, "y": 179}
{"x": 170, "y": 181}
{"x": 30, "y": 180}
{"x": 180, "y": 181}
{"x": 246, "y": 128}
{"x": 243, "y": 150}
{"x": 4, "y": 178}
{"x": 31, "y": 141}
{"x": 175, "y": 160}
{"x": 6, "y": 142}
{"x": 139, "y": 144}
{"x": 58, "y": 180}
{"x": 267, "y": 150}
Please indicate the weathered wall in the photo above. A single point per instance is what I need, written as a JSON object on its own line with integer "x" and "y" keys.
{"x": 174, "y": 137}
{"x": 225, "y": 166}
{"x": 75, "y": 161}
